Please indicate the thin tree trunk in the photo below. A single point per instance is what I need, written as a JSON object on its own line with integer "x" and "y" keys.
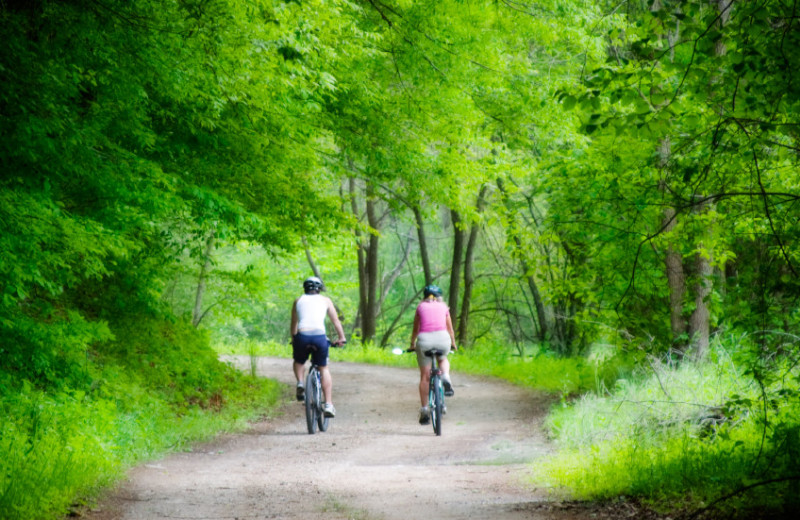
{"x": 205, "y": 268}
{"x": 673, "y": 260}
{"x": 423, "y": 245}
{"x": 455, "y": 267}
{"x": 534, "y": 288}
{"x": 392, "y": 277}
{"x": 311, "y": 263}
{"x": 362, "y": 264}
{"x": 531, "y": 281}
{"x": 676, "y": 280}
{"x": 463, "y": 321}
{"x": 699, "y": 321}
{"x": 370, "y": 316}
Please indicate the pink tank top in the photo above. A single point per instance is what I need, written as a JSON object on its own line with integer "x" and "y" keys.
{"x": 432, "y": 316}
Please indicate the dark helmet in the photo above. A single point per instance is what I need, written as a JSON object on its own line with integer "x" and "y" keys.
{"x": 434, "y": 290}
{"x": 313, "y": 284}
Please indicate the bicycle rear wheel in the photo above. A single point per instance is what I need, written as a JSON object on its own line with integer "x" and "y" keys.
{"x": 436, "y": 403}
{"x": 312, "y": 400}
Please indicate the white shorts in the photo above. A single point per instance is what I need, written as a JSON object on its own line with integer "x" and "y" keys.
{"x": 438, "y": 339}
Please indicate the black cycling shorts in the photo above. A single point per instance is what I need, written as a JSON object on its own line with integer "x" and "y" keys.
{"x": 315, "y": 346}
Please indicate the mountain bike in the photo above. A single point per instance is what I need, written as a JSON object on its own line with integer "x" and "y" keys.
{"x": 435, "y": 390}
{"x": 314, "y": 399}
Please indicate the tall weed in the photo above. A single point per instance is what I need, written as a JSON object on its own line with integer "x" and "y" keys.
{"x": 685, "y": 434}
{"x": 154, "y": 394}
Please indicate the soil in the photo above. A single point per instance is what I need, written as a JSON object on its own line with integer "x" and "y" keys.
{"x": 375, "y": 462}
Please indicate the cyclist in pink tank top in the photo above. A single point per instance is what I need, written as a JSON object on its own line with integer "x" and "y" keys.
{"x": 433, "y": 329}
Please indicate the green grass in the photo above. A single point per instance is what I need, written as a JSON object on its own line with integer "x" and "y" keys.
{"x": 536, "y": 370}
{"x": 162, "y": 390}
{"x": 682, "y": 437}
{"x": 60, "y": 451}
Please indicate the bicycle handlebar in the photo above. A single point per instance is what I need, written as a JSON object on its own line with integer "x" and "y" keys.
{"x": 429, "y": 352}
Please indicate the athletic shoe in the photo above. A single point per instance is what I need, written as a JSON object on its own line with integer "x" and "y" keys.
{"x": 328, "y": 410}
{"x": 424, "y": 415}
{"x": 448, "y": 388}
{"x": 300, "y": 392}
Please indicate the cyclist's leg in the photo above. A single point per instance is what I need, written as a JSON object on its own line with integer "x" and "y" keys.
{"x": 300, "y": 354}
{"x": 327, "y": 384}
{"x": 444, "y": 364}
{"x": 424, "y": 383}
{"x": 299, "y": 371}
{"x": 424, "y": 363}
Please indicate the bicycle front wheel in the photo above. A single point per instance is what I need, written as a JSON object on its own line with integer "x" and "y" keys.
{"x": 312, "y": 400}
{"x": 436, "y": 403}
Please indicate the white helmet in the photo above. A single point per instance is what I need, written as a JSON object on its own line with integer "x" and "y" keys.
{"x": 313, "y": 284}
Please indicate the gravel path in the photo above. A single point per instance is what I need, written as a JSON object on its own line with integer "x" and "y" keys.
{"x": 374, "y": 463}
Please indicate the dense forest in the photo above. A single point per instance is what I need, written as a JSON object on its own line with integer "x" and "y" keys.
{"x": 611, "y": 183}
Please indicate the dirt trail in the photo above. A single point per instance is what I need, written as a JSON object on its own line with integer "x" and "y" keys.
{"x": 374, "y": 463}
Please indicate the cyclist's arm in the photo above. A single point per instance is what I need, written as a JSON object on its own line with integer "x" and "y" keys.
{"x": 450, "y": 331}
{"x": 293, "y": 326}
{"x": 334, "y": 316}
{"x": 415, "y": 331}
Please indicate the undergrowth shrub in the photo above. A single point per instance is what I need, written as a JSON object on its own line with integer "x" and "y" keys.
{"x": 157, "y": 389}
{"x": 536, "y": 368}
{"x": 718, "y": 434}
{"x": 540, "y": 369}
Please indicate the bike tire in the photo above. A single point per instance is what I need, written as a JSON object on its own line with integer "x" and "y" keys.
{"x": 322, "y": 421}
{"x": 435, "y": 404}
{"x": 312, "y": 401}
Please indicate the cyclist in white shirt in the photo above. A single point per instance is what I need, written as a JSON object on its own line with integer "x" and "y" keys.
{"x": 310, "y": 339}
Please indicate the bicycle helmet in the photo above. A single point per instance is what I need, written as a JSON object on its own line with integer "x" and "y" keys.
{"x": 312, "y": 285}
{"x": 432, "y": 290}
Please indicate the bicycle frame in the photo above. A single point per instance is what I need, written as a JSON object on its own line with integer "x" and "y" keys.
{"x": 435, "y": 391}
{"x": 314, "y": 401}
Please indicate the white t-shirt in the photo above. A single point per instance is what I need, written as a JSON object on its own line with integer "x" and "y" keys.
{"x": 311, "y": 311}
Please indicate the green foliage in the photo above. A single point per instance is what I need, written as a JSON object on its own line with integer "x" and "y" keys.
{"x": 156, "y": 393}
{"x": 690, "y": 112}
{"x": 603, "y": 138}
{"x": 540, "y": 369}
{"x": 684, "y": 436}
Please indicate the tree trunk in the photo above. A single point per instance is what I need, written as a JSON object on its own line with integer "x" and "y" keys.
{"x": 423, "y": 245}
{"x": 699, "y": 321}
{"x": 362, "y": 263}
{"x": 541, "y": 315}
{"x": 455, "y": 267}
{"x": 676, "y": 280}
{"x": 463, "y": 319}
{"x": 673, "y": 260}
{"x": 370, "y": 316}
{"x": 205, "y": 268}
{"x": 311, "y": 263}
{"x": 699, "y": 326}
{"x": 534, "y": 288}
